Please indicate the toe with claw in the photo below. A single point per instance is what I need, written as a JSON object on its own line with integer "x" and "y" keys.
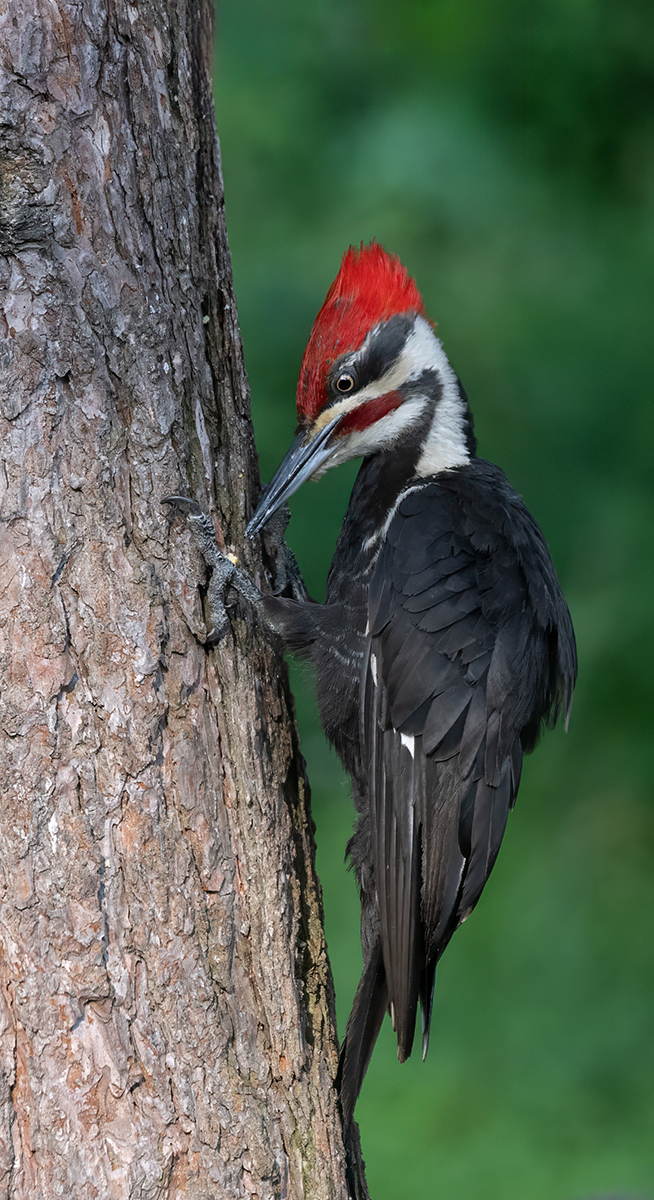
{"x": 225, "y": 572}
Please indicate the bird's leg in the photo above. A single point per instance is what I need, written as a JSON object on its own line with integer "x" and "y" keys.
{"x": 224, "y": 571}
{"x": 288, "y": 579}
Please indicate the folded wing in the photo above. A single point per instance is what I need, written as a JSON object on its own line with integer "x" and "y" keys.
{"x": 470, "y": 648}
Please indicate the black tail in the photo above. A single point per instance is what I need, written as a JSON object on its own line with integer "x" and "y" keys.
{"x": 370, "y": 1005}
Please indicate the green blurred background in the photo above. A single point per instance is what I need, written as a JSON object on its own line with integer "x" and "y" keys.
{"x": 505, "y": 150}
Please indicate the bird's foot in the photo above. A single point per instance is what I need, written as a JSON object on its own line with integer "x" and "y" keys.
{"x": 224, "y": 570}
{"x": 287, "y": 575}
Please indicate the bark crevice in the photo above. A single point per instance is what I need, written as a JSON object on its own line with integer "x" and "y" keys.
{"x": 167, "y": 1023}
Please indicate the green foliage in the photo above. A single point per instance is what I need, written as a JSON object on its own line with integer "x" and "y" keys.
{"x": 506, "y": 152}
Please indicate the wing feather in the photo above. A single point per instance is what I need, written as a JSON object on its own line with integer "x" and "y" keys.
{"x": 462, "y": 667}
{"x": 396, "y": 846}
{"x": 446, "y": 708}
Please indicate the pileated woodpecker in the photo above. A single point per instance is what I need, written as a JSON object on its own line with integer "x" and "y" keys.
{"x": 444, "y": 643}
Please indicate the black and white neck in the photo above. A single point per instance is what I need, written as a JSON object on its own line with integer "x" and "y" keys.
{"x": 396, "y": 396}
{"x": 405, "y": 397}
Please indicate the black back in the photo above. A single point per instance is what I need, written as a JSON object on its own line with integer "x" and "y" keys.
{"x": 469, "y": 649}
{"x": 444, "y": 646}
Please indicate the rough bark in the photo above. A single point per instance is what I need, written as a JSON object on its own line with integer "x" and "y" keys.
{"x": 166, "y": 1015}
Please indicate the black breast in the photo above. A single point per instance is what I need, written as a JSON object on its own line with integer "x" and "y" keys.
{"x": 339, "y": 656}
{"x": 474, "y": 508}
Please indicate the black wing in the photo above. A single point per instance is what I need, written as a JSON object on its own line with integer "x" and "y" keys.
{"x": 470, "y": 649}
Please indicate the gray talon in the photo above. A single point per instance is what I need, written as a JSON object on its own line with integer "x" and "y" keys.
{"x": 225, "y": 573}
{"x": 287, "y": 573}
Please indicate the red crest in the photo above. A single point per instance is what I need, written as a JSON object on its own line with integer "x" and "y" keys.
{"x": 371, "y": 286}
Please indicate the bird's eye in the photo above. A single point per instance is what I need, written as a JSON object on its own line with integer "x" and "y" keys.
{"x": 345, "y": 382}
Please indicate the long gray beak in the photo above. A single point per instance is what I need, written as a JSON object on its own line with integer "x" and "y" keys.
{"x": 302, "y": 460}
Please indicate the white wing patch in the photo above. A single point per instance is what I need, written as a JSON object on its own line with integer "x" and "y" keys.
{"x": 409, "y": 742}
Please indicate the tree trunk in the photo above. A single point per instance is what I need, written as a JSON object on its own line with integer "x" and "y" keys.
{"x": 166, "y": 1006}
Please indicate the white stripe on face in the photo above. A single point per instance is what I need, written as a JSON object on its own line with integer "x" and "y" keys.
{"x": 446, "y": 443}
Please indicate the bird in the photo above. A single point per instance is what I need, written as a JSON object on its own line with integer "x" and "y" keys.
{"x": 444, "y": 644}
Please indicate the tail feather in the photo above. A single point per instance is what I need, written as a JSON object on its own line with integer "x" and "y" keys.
{"x": 427, "y": 979}
{"x": 370, "y": 1005}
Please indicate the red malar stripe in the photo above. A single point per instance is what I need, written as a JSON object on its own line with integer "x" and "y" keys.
{"x": 373, "y": 410}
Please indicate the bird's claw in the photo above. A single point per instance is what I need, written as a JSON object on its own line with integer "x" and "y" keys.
{"x": 202, "y": 528}
{"x": 223, "y": 566}
{"x": 287, "y": 577}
